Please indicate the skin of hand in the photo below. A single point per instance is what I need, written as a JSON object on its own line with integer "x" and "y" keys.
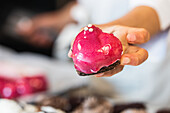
{"x": 142, "y": 22}
{"x": 132, "y": 55}
{"x": 55, "y": 20}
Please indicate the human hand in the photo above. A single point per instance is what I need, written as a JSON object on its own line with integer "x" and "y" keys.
{"x": 55, "y": 21}
{"x": 39, "y": 30}
{"x": 132, "y": 55}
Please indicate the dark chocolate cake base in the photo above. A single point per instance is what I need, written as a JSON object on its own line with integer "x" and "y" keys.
{"x": 103, "y": 69}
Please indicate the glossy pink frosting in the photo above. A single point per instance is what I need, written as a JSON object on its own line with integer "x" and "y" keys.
{"x": 94, "y": 49}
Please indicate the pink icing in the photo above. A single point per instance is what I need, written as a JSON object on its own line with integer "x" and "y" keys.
{"x": 94, "y": 49}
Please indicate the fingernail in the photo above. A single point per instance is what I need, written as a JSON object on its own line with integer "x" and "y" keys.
{"x": 99, "y": 75}
{"x": 126, "y": 60}
{"x": 69, "y": 53}
{"x": 131, "y": 38}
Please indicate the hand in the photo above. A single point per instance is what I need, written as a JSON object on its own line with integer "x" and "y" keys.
{"x": 32, "y": 30}
{"x": 132, "y": 55}
{"x": 37, "y": 31}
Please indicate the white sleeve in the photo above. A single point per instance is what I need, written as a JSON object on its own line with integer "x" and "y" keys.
{"x": 162, "y": 8}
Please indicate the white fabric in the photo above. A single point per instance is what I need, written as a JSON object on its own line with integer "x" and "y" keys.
{"x": 102, "y": 11}
{"x": 161, "y": 6}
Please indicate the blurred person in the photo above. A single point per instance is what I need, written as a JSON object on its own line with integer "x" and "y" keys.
{"x": 14, "y": 13}
{"x": 149, "y": 82}
{"x": 55, "y": 20}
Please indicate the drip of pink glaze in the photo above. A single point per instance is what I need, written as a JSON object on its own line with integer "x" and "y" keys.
{"x": 94, "y": 49}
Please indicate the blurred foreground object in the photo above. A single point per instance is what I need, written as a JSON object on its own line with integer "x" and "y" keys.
{"x": 18, "y": 81}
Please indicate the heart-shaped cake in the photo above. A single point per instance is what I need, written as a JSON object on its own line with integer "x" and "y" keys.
{"x": 95, "y": 52}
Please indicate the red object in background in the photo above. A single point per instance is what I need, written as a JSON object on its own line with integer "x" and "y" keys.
{"x": 9, "y": 90}
{"x": 12, "y": 88}
{"x": 2, "y": 83}
{"x": 22, "y": 87}
{"x": 37, "y": 83}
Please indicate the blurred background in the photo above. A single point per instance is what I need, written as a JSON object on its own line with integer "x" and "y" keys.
{"x": 28, "y": 34}
{"x": 35, "y": 38}
{"x": 16, "y": 16}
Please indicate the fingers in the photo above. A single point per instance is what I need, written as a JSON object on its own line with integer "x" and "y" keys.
{"x": 133, "y": 35}
{"x": 70, "y": 51}
{"x": 134, "y": 56}
{"x": 110, "y": 73}
{"x": 137, "y": 36}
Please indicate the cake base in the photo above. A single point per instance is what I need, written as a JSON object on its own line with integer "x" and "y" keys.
{"x": 103, "y": 69}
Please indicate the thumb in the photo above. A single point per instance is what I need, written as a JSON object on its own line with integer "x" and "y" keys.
{"x": 134, "y": 56}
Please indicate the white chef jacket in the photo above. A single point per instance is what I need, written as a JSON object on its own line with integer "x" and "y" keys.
{"x": 148, "y": 82}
